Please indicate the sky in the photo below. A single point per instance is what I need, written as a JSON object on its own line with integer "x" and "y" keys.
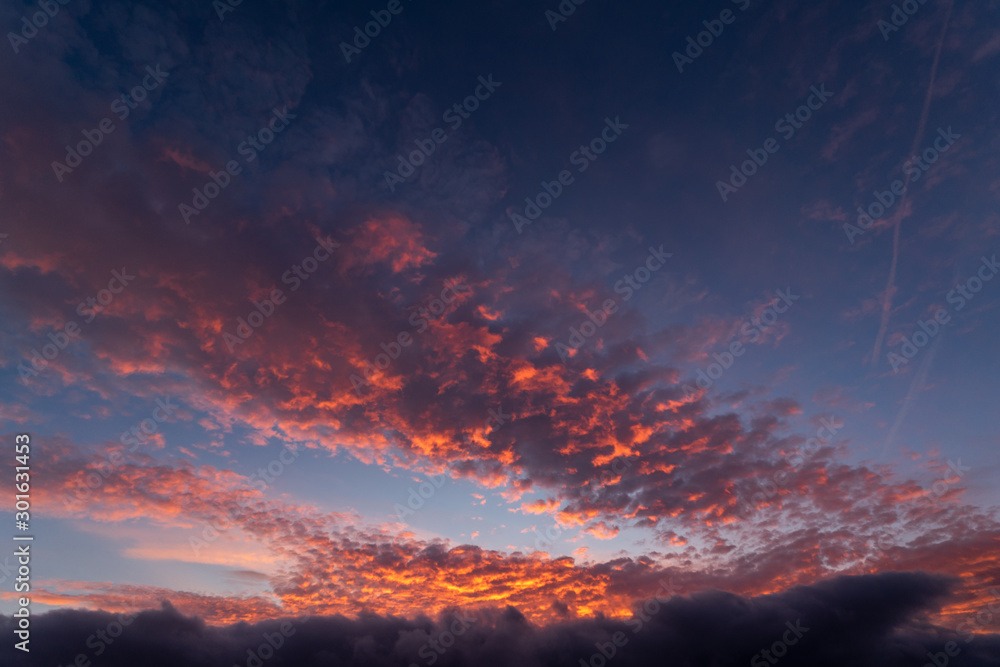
{"x": 351, "y": 324}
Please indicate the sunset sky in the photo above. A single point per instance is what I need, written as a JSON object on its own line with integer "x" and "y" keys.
{"x": 533, "y": 310}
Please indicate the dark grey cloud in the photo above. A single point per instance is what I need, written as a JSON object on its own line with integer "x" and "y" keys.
{"x": 874, "y": 620}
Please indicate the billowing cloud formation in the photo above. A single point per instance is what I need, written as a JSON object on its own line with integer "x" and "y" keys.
{"x": 876, "y": 621}
{"x": 335, "y": 563}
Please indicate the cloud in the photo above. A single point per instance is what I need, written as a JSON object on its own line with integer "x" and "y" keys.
{"x": 876, "y": 621}
{"x": 846, "y": 520}
{"x": 701, "y": 486}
